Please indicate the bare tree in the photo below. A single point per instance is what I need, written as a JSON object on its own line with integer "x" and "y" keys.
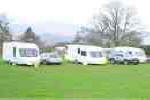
{"x": 39, "y": 41}
{"x": 113, "y": 26}
{"x": 4, "y": 29}
{"x": 77, "y": 39}
{"x": 29, "y": 35}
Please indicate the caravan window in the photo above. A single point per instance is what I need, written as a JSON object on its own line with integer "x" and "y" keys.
{"x": 78, "y": 50}
{"x": 28, "y": 52}
{"x": 14, "y": 51}
{"x": 95, "y": 54}
{"x": 83, "y": 53}
{"x": 139, "y": 54}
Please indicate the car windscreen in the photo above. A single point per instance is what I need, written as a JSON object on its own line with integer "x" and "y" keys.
{"x": 28, "y": 52}
{"x": 119, "y": 55}
{"x": 54, "y": 56}
{"x": 95, "y": 54}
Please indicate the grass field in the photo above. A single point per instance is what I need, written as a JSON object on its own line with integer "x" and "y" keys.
{"x": 75, "y": 81}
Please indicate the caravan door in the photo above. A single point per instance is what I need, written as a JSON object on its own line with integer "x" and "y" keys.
{"x": 13, "y": 57}
{"x": 83, "y": 57}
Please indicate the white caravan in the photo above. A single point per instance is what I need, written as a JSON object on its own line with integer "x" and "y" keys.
{"x": 21, "y": 53}
{"x": 132, "y": 51}
{"x": 85, "y": 54}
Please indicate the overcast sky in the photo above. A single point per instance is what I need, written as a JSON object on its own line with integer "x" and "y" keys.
{"x": 62, "y": 16}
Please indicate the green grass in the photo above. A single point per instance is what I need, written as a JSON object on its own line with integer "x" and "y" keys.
{"x": 75, "y": 81}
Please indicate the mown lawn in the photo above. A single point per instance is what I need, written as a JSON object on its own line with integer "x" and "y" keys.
{"x": 75, "y": 81}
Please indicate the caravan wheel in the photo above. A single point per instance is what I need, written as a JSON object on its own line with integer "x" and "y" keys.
{"x": 112, "y": 61}
{"x": 10, "y": 63}
{"x": 76, "y": 61}
{"x": 13, "y": 64}
{"x": 126, "y": 62}
{"x": 85, "y": 63}
{"x": 45, "y": 62}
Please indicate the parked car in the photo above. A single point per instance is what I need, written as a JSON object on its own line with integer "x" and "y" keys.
{"x": 128, "y": 53}
{"x": 50, "y": 58}
{"x": 122, "y": 58}
{"x": 148, "y": 59}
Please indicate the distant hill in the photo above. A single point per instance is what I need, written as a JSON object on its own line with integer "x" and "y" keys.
{"x": 56, "y": 37}
{"x": 56, "y": 32}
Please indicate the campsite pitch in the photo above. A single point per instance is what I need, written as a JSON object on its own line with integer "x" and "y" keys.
{"x": 75, "y": 81}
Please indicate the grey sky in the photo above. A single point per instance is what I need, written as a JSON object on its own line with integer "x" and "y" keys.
{"x": 61, "y": 17}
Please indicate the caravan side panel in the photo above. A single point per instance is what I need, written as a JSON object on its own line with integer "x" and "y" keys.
{"x": 71, "y": 53}
{"x": 7, "y": 51}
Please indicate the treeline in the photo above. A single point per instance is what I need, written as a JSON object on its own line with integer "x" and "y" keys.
{"x": 7, "y": 35}
{"x": 114, "y": 25}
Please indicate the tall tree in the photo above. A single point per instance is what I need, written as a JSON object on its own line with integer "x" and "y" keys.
{"x": 115, "y": 25}
{"x": 29, "y": 35}
{"x": 4, "y": 30}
